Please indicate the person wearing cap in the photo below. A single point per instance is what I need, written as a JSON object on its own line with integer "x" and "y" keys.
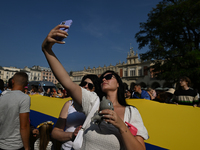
{"x": 169, "y": 95}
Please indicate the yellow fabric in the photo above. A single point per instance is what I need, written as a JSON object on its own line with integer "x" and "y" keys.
{"x": 169, "y": 126}
{"x": 47, "y": 105}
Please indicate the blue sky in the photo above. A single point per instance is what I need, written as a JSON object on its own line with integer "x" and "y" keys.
{"x": 101, "y": 32}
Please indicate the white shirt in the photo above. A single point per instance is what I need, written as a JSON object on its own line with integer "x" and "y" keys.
{"x": 106, "y": 136}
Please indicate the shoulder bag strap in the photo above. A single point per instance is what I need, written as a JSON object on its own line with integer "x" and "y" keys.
{"x": 130, "y": 115}
{"x": 91, "y": 113}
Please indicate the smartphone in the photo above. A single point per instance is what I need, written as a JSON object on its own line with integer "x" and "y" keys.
{"x": 67, "y": 23}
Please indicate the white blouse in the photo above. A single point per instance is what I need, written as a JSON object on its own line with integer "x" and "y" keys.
{"x": 106, "y": 136}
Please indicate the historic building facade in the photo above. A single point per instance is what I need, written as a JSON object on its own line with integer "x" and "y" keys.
{"x": 35, "y": 73}
{"x": 1, "y": 73}
{"x": 47, "y": 75}
{"x": 8, "y": 72}
{"x": 132, "y": 72}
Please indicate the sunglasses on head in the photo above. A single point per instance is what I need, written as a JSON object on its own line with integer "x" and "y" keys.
{"x": 107, "y": 77}
{"x": 90, "y": 85}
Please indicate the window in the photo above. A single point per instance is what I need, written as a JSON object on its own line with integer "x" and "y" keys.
{"x": 132, "y": 72}
{"x": 140, "y": 71}
{"x": 145, "y": 70}
{"x": 125, "y": 73}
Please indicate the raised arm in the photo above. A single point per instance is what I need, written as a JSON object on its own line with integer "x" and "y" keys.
{"x": 57, "y": 68}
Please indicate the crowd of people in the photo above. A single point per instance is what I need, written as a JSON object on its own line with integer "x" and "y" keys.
{"x": 183, "y": 94}
{"x": 59, "y": 93}
{"x": 111, "y": 133}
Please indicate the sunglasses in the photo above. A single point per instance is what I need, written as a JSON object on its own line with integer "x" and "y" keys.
{"x": 84, "y": 83}
{"x": 107, "y": 77}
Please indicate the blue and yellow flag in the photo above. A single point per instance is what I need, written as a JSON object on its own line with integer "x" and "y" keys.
{"x": 169, "y": 126}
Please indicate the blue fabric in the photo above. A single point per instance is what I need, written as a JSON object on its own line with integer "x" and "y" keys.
{"x": 144, "y": 95}
{"x": 153, "y": 147}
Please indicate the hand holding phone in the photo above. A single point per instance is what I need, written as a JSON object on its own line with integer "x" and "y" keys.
{"x": 67, "y": 23}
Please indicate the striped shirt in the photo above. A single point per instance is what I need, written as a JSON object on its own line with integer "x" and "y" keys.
{"x": 186, "y": 97}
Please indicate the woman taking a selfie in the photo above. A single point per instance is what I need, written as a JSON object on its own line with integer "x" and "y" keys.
{"x": 112, "y": 133}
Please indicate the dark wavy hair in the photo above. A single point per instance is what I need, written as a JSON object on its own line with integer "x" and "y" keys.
{"x": 120, "y": 91}
{"x": 186, "y": 79}
{"x": 96, "y": 82}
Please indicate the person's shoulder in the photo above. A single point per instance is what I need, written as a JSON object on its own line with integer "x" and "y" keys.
{"x": 131, "y": 107}
{"x": 143, "y": 91}
{"x": 5, "y": 91}
{"x": 22, "y": 93}
{"x": 88, "y": 93}
{"x": 192, "y": 91}
{"x": 68, "y": 103}
{"x": 133, "y": 111}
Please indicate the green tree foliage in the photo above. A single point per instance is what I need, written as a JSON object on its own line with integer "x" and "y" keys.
{"x": 172, "y": 33}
